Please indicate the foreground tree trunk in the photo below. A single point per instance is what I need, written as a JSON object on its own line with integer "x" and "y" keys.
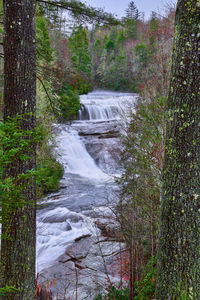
{"x": 18, "y": 221}
{"x": 179, "y": 242}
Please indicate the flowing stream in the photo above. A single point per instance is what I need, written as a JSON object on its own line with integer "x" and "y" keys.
{"x": 88, "y": 150}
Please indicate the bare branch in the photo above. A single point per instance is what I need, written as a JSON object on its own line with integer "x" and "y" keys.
{"x": 50, "y": 100}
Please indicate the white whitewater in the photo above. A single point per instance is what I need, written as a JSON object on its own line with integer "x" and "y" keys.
{"x": 55, "y": 234}
{"x": 62, "y": 220}
{"x": 104, "y": 105}
{"x": 74, "y": 156}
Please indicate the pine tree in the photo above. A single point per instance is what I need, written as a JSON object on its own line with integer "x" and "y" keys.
{"x": 132, "y": 11}
{"x": 79, "y": 47}
{"x": 131, "y": 20}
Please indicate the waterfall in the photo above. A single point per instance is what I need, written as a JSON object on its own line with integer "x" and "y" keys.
{"x": 74, "y": 156}
{"x": 88, "y": 150}
{"x": 103, "y": 105}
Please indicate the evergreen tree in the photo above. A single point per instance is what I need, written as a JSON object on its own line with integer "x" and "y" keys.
{"x": 44, "y": 50}
{"x": 153, "y": 28}
{"x": 142, "y": 55}
{"x": 179, "y": 243}
{"x": 132, "y": 11}
{"x": 131, "y": 20}
{"x": 79, "y": 47}
{"x": 120, "y": 38}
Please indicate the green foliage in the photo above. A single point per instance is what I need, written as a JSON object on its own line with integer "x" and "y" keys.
{"x": 147, "y": 55}
{"x": 16, "y": 145}
{"x": 81, "y": 12}
{"x": 110, "y": 45}
{"x": 15, "y": 140}
{"x": 131, "y": 28}
{"x": 131, "y": 20}
{"x": 80, "y": 85}
{"x": 142, "y": 55}
{"x": 140, "y": 183}
{"x": 145, "y": 288}
{"x": 114, "y": 293}
{"x": 98, "y": 297}
{"x": 111, "y": 78}
{"x": 8, "y": 291}
{"x": 117, "y": 294}
{"x": 44, "y": 50}
{"x": 97, "y": 45}
{"x": 69, "y": 102}
{"x": 132, "y": 11}
{"x": 120, "y": 38}
{"x": 48, "y": 175}
{"x": 154, "y": 25}
{"x": 49, "y": 171}
{"x": 143, "y": 152}
{"x": 78, "y": 44}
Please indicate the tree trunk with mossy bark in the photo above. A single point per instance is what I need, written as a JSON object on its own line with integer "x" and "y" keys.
{"x": 178, "y": 274}
{"x": 18, "y": 218}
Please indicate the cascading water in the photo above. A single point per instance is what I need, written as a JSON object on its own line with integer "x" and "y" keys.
{"x": 103, "y": 105}
{"x": 74, "y": 156}
{"x": 88, "y": 150}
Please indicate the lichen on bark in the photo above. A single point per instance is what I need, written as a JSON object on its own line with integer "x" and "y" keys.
{"x": 179, "y": 238}
{"x": 18, "y": 218}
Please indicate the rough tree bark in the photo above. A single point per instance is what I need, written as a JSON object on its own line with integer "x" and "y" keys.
{"x": 18, "y": 226}
{"x": 179, "y": 242}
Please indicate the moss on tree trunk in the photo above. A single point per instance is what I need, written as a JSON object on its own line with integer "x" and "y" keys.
{"x": 179, "y": 240}
{"x": 18, "y": 221}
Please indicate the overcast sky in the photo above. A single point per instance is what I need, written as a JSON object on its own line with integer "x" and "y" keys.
{"x": 118, "y": 7}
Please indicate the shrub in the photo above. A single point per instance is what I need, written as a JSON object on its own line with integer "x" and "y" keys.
{"x": 114, "y": 293}
{"x": 49, "y": 173}
{"x": 145, "y": 288}
{"x": 69, "y": 102}
{"x": 82, "y": 85}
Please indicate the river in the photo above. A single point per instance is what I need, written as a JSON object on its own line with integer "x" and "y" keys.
{"x": 69, "y": 222}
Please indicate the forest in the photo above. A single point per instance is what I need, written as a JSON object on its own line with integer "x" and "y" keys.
{"x": 99, "y": 152}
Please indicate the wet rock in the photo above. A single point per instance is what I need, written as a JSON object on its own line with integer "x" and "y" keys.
{"x": 64, "y": 258}
{"x": 55, "y": 218}
{"x": 82, "y": 237}
{"x": 105, "y": 152}
{"x": 88, "y": 262}
{"x": 102, "y": 130}
{"x": 110, "y": 229}
{"x": 74, "y": 217}
{"x": 80, "y": 248}
{"x": 68, "y": 226}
